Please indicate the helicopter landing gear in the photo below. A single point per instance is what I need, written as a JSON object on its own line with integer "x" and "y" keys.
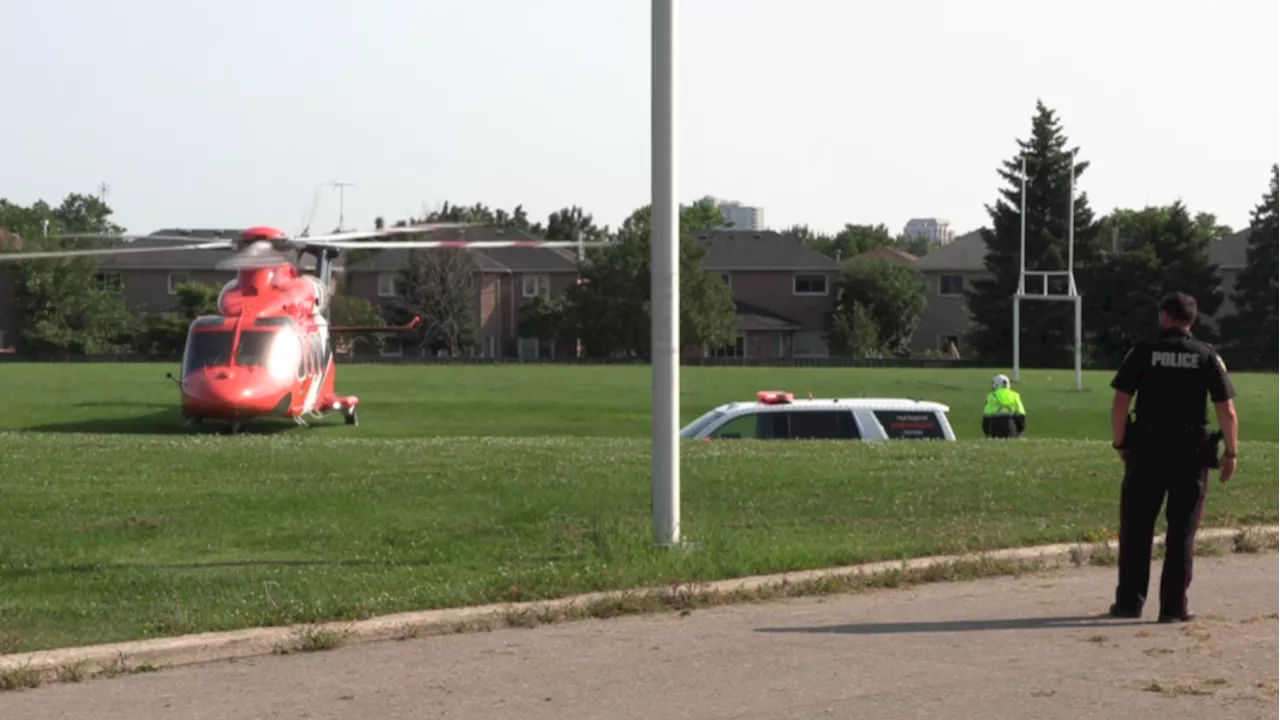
{"x": 350, "y": 416}
{"x": 233, "y": 428}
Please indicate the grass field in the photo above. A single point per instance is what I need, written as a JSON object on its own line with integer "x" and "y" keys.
{"x": 486, "y": 483}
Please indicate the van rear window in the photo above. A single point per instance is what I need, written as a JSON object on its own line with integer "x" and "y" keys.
{"x": 903, "y": 425}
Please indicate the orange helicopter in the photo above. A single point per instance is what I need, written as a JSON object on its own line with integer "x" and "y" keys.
{"x": 268, "y": 352}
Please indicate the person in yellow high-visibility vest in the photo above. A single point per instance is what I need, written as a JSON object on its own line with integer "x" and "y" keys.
{"x": 1004, "y": 415}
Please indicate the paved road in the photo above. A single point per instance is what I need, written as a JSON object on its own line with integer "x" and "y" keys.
{"x": 1013, "y": 648}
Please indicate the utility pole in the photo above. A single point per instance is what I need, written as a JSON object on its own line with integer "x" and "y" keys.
{"x": 341, "y": 187}
{"x": 102, "y": 191}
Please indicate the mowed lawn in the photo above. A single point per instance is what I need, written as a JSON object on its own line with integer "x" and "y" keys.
{"x": 478, "y": 484}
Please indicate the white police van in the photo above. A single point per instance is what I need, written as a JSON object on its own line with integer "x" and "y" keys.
{"x": 778, "y": 415}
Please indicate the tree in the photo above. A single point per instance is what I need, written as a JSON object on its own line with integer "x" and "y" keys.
{"x": 566, "y": 224}
{"x": 851, "y": 332}
{"x": 892, "y": 296}
{"x": 66, "y": 305}
{"x": 354, "y": 311}
{"x": 854, "y": 239}
{"x": 438, "y": 286}
{"x": 165, "y": 334}
{"x": 609, "y": 309}
{"x": 1157, "y": 250}
{"x": 1047, "y": 327}
{"x": 1251, "y": 329}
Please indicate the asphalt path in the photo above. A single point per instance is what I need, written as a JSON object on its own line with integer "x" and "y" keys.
{"x": 1029, "y": 647}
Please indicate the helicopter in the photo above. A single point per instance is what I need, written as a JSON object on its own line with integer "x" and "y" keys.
{"x": 268, "y": 352}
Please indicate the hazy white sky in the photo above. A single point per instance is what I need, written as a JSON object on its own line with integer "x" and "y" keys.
{"x": 229, "y": 114}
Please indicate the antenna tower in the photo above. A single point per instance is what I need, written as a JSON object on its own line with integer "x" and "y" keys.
{"x": 341, "y": 188}
{"x": 1072, "y": 294}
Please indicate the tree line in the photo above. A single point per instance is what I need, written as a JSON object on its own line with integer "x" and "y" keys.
{"x": 1124, "y": 262}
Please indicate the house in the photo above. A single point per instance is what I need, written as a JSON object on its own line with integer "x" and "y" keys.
{"x": 783, "y": 291}
{"x": 506, "y": 279}
{"x": 952, "y": 268}
{"x": 147, "y": 282}
{"x": 948, "y": 272}
{"x": 884, "y": 252}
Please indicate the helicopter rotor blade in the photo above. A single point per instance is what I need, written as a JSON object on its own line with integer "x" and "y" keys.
{"x": 8, "y": 257}
{"x": 459, "y": 244}
{"x": 328, "y": 240}
{"x": 129, "y": 237}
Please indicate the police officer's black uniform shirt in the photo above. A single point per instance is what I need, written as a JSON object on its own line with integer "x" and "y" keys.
{"x": 1171, "y": 376}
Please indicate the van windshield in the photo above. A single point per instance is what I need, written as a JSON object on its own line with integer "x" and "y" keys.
{"x": 207, "y": 349}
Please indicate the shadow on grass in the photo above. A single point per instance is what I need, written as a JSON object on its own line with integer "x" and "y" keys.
{"x": 168, "y": 421}
{"x": 949, "y": 626}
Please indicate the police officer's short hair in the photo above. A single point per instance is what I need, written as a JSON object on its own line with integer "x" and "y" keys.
{"x": 1180, "y": 307}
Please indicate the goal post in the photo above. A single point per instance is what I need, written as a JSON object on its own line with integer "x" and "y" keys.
{"x": 1072, "y": 294}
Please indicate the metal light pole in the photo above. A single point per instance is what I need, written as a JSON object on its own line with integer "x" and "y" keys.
{"x": 665, "y": 279}
{"x": 1022, "y": 280}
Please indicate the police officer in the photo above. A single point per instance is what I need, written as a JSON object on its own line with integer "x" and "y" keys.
{"x": 1167, "y": 450}
{"x": 1004, "y": 415}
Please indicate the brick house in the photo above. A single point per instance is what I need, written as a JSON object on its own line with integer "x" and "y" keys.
{"x": 884, "y": 252}
{"x": 147, "y": 282}
{"x": 506, "y": 279}
{"x": 783, "y": 290}
{"x": 952, "y": 268}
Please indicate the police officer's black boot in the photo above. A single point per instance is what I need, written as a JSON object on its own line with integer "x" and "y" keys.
{"x": 1119, "y": 611}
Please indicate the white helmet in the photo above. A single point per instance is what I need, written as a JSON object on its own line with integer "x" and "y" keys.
{"x": 1000, "y": 381}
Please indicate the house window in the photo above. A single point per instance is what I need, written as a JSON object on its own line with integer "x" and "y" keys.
{"x": 176, "y": 279}
{"x": 728, "y": 279}
{"x": 809, "y": 285}
{"x": 809, "y": 344}
{"x": 736, "y": 350}
{"x": 392, "y": 347}
{"x": 951, "y": 285}
{"x": 109, "y": 282}
{"x": 388, "y": 285}
{"x": 537, "y": 286}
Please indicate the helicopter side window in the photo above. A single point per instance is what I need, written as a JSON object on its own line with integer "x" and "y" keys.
{"x": 254, "y": 346}
{"x": 302, "y": 358}
{"x": 319, "y": 349}
{"x": 207, "y": 349}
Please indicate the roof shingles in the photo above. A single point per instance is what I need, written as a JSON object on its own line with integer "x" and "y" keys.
{"x": 760, "y": 250}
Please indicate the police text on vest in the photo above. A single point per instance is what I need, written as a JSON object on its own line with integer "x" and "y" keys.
{"x": 1180, "y": 360}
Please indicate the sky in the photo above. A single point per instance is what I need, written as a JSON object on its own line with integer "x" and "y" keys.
{"x": 821, "y": 112}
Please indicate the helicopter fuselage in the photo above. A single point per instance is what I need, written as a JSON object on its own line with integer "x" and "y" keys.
{"x": 266, "y": 354}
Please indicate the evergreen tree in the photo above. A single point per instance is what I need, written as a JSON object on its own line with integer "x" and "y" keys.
{"x": 1158, "y": 250}
{"x": 1047, "y": 327}
{"x": 1251, "y": 330}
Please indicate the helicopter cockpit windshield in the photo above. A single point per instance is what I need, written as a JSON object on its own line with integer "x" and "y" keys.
{"x": 208, "y": 344}
{"x": 271, "y": 343}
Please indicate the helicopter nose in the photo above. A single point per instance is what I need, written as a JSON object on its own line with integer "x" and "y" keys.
{"x": 221, "y": 391}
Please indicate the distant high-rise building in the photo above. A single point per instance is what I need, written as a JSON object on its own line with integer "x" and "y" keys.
{"x": 739, "y": 216}
{"x": 936, "y": 230}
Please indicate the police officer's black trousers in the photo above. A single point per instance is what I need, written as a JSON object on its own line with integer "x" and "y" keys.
{"x": 1147, "y": 481}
